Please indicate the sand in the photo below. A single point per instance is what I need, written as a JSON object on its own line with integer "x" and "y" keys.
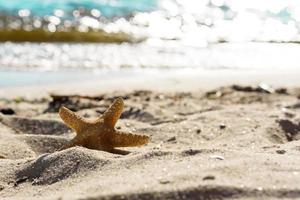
{"x": 222, "y": 143}
{"x": 160, "y": 80}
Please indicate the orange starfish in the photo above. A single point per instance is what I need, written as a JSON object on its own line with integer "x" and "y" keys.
{"x": 100, "y": 134}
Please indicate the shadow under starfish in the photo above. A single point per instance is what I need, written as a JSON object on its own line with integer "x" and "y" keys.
{"x": 100, "y": 134}
{"x": 120, "y": 152}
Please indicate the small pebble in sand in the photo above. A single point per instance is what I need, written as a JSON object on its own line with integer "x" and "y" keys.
{"x": 198, "y": 131}
{"x": 214, "y": 94}
{"x": 217, "y": 157}
{"x": 280, "y": 151}
{"x": 209, "y": 178}
{"x": 222, "y": 126}
{"x": 7, "y": 111}
{"x": 266, "y": 88}
{"x": 171, "y": 139}
{"x": 164, "y": 181}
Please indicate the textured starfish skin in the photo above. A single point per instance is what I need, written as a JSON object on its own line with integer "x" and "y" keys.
{"x": 100, "y": 134}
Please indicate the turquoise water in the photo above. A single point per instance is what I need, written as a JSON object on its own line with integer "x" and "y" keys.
{"x": 108, "y": 8}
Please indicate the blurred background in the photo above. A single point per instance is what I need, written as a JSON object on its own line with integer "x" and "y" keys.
{"x": 51, "y": 41}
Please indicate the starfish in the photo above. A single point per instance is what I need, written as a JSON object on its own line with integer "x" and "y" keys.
{"x": 100, "y": 134}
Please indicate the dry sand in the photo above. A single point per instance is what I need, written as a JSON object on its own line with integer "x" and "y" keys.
{"x": 230, "y": 142}
{"x": 167, "y": 80}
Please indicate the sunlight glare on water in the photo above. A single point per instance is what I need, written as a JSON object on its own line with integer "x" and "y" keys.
{"x": 175, "y": 33}
{"x": 187, "y": 20}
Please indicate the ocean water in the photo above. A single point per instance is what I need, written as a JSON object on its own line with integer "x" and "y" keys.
{"x": 98, "y": 36}
{"x": 107, "y": 8}
{"x": 191, "y": 21}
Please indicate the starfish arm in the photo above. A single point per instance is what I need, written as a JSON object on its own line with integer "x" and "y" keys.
{"x": 113, "y": 113}
{"x": 123, "y": 139}
{"x": 73, "y": 120}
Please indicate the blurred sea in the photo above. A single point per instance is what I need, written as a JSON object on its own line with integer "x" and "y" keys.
{"x": 65, "y": 8}
{"x": 103, "y": 35}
